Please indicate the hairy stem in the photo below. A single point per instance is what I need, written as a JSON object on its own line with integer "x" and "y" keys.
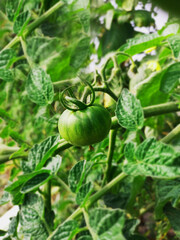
{"x": 173, "y": 134}
{"x": 62, "y": 183}
{"x": 86, "y": 217}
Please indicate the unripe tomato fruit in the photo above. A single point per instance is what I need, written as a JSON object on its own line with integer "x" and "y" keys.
{"x": 85, "y": 127}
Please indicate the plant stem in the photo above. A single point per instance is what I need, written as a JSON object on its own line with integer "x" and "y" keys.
{"x": 174, "y": 133}
{"x": 105, "y": 189}
{"x": 35, "y": 24}
{"x": 161, "y": 109}
{"x": 105, "y": 89}
{"x": 24, "y": 47}
{"x": 86, "y": 217}
{"x": 153, "y": 110}
{"x": 62, "y": 183}
{"x": 112, "y": 140}
{"x": 47, "y": 201}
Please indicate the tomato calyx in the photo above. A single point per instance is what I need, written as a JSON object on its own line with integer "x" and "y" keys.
{"x": 72, "y": 103}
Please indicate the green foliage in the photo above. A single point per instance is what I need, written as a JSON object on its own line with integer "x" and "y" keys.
{"x": 39, "y": 87}
{"x": 125, "y": 187}
{"x": 129, "y": 111}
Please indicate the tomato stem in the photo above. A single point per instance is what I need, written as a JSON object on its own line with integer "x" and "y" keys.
{"x": 171, "y": 135}
{"x": 86, "y": 217}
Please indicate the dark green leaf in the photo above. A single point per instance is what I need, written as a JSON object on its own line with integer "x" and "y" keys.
{"x": 2, "y": 232}
{"x": 174, "y": 42}
{"x": 35, "y": 182}
{"x": 129, "y": 111}
{"x": 130, "y": 227}
{"x": 39, "y": 87}
{"x": 6, "y": 74}
{"x": 85, "y": 19}
{"x": 39, "y": 154}
{"x": 12, "y": 231}
{"x": 80, "y": 53}
{"x": 66, "y": 231}
{"x": 21, "y": 22}
{"x": 153, "y": 159}
{"x": 170, "y": 78}
{"x": 148, "y": 90}
{"x": 140, "y": 44}
{"x": 11, "y": 7}
{"x": 173, "y": 216}
{"x": 107, "y": 224}
{"x": 166, "y": 190}
{"x": 84, "y": 193}
{"x": 31, "y": 217}
{"x": 53, "y": 164}
{"x": 77, "y": 175}
{"x": 129, "y": 151}
{"x": 6, "y": 56}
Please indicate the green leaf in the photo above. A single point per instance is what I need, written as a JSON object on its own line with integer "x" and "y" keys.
{"x": 84, "y": 193}
{"x": 6, "y": 57}
{"x": 12, "y": 230}
{"x": 29, "y": 182}
{"x": 11, "y": 7}
{"x": 5, "y": 198}
{"x": 17, "y": 137}
{"x": 173, "y": 216}
{"x": 136, "y": 186}
{"x": 39, "y": 87}
{"x": 107, "y": 224}
{"x": 77, "y": 175}
{"x": 170, "y": 78}
{"x": 31, "y": 217}
{"x": 129, "y": 151}
{"x": 66, "y": 231}
{"x": 35, "y": 182}
{"x": 130, "y": 227}
{"x": 166, "y": 190}
{"x": 7, "y": 74}
{"x": 129, "y": 111}
{"x": 22, "y": 152}
{"x": 2, "y": 232}
{"x": 39, "y": 154}
{"x": 148, "y": 90}
{"x": 85, "y": 19}
{"x": 14, "y": 190}
{"x": 42, "y": 49}
{"x": 174, "y": 42}
{"x": 80, "y": 53}
{"x": 139, "y": 44}
{"x": 53, "y": 164}
{"x": 153, "y": 159}
{"x": 21, "y": 22}
{"x": 151, "y": 150}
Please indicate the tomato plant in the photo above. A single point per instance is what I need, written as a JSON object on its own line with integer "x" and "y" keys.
{"x": 89, "y": 120}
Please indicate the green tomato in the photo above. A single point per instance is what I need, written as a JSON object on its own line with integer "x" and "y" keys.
{"x": 85, "y": 127}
